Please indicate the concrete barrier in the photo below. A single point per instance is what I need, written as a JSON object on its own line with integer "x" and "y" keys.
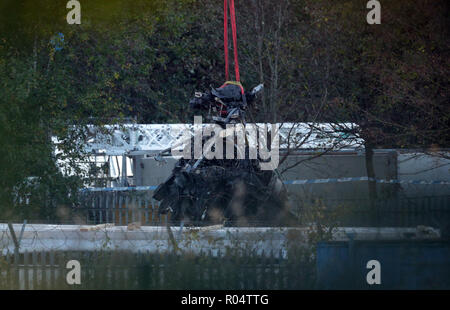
{"x": 40, "y": 237}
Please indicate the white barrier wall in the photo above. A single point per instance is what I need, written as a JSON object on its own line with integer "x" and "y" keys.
{"x": 41, "y": 237}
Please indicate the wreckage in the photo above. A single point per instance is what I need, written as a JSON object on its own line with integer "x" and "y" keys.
{"x": 232, "y": 192}
{"x": 216, "y": 190}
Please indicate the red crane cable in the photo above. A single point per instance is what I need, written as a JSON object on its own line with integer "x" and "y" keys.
{"x": 225, "y": 36}
{"x": 225, "y": 39}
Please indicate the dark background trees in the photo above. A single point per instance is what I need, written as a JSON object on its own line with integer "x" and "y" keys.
{"x": 319, "y": 60}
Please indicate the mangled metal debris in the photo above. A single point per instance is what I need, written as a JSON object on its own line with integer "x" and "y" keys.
{"x": 229, "y": 191}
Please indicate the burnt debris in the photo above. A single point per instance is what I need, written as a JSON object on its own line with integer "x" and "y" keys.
{"x": 227, "y": 191}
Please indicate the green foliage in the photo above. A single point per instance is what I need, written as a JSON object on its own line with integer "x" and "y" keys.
{"x": 124, "y": 60}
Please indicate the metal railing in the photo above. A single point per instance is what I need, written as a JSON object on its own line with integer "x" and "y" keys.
{"x": 120, "y": 208}
{"x": 125, "y": 207}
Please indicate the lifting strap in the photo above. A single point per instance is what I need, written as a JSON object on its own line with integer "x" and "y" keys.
{"x": 225, "y": 38}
